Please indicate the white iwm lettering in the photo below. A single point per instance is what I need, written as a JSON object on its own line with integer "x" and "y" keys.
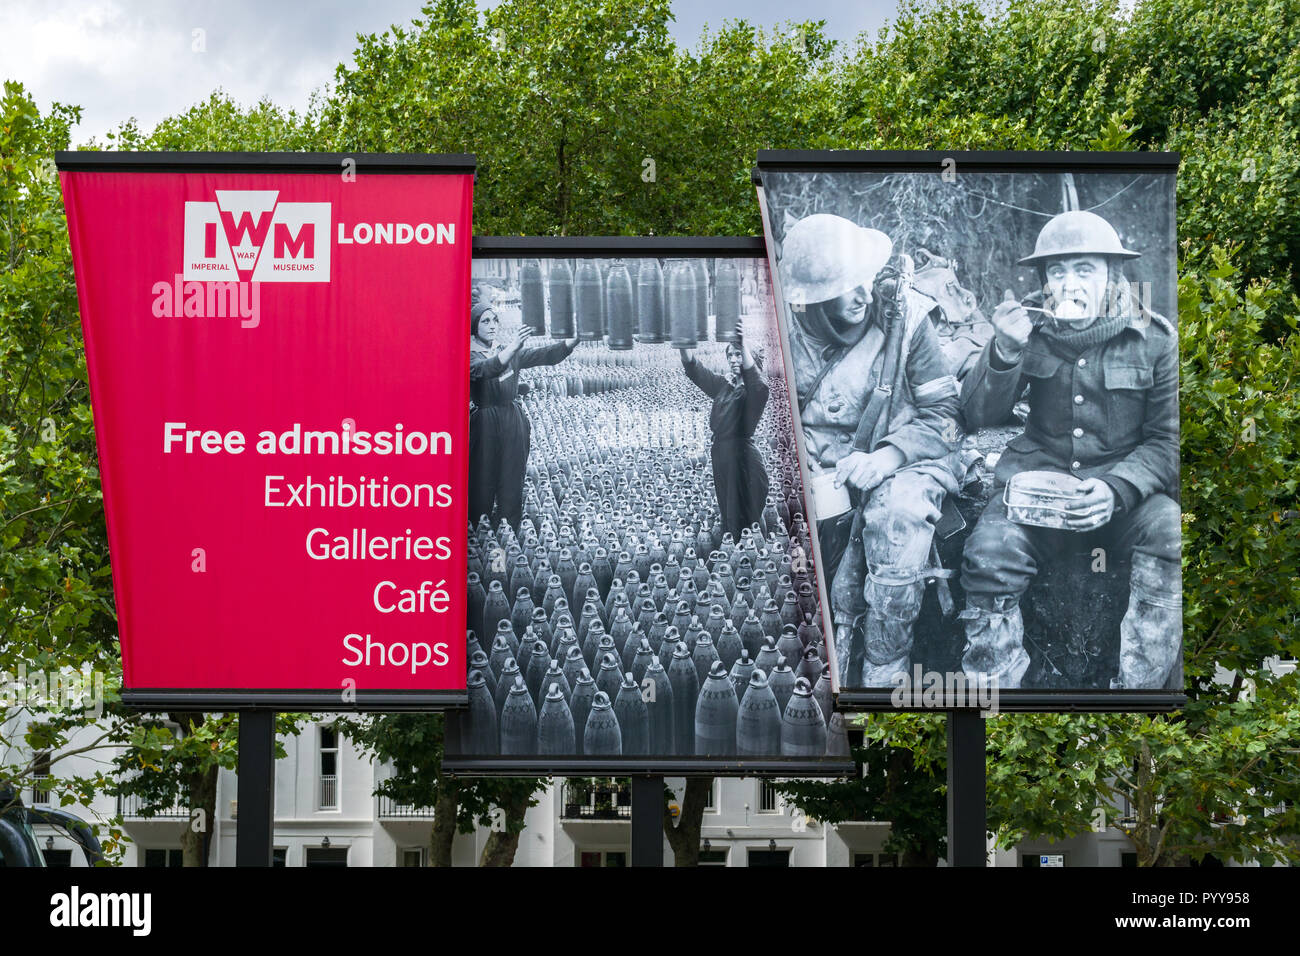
{"x": 398, "y": 233}
{"x": 134, "y": 910}
{"x": 248, "y": 235}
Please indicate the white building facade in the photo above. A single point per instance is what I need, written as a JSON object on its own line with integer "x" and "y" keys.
{"x": 326, "y": 814}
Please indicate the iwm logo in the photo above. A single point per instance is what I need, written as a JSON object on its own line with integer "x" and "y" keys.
{"x": 247, "y": 235}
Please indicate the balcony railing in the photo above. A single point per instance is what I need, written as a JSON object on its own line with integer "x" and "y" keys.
{"x": 329, "y": 791}
{"x": 391, "y": 810}
{"x": 584, "y": 801}
{"x": 129, "y": 806}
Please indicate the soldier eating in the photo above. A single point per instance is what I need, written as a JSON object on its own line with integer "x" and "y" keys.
{"x": 1101, "y": 442}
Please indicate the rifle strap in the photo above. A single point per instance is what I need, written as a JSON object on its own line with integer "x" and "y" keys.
{"x": 874, "y": 424}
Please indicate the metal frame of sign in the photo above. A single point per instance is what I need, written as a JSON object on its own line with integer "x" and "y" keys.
{"x": 277, "y": 699}
{"x": 567, "y": 247}
{"x": 937, "y": 162}
{"x": 162, "y": 161}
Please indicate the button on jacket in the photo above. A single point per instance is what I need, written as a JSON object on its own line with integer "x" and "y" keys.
{"x": 1112, "y": 413}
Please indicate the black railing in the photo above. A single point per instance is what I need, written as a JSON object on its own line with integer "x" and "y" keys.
{"x": 582, "y": 800}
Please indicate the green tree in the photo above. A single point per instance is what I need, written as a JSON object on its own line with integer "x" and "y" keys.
{"x": 56, "y": 609}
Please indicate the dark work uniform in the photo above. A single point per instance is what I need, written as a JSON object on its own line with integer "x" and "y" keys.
{"x": 1110, "y": 413}
{"x": 499, "y": 432}
{"x": 739, "y": 477}
{"x": 1107, "y": 411}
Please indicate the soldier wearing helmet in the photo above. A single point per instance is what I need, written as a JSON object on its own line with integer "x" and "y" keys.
{"x": 879, "y": 412}
{"x": 1102, "y": 378}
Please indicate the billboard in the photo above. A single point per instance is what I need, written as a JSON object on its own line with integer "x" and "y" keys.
{"x": 985, "y": 357}
{"x": 642, "y": 596}
{"x": 276, "y": 346}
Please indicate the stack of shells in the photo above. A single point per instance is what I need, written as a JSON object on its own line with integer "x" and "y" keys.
{"x": 620, "y": 619}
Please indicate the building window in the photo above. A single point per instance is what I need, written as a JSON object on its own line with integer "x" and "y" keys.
{"x": 280, "y": 856}
{"x": 164, "y": 858}
{"x": 58, "y": 858}
{"x": 711, "y": 801}
{"x": 769, "y": 800}
{"x": 40, "y": 778}
{"x": 768, "y": 857}
{"x": 589, "y": 858}
{"x": 713, "y": 858}
{"x": 413, "y": 856}
{"x": 331, "y": 857}
{"x": 329, "y": 768}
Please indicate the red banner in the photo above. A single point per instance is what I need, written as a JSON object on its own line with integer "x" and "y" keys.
{"x": 278, "y": 368}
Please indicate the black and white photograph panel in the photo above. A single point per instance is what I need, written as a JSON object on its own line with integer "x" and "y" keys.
{"x": 986, "y": 371}
{"x": 640, "y": 580}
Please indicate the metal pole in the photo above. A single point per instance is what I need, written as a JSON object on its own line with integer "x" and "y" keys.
{"x": 967, "y": 822}
{"x": 256, "y": 788}
{"x": 647, "y": 821}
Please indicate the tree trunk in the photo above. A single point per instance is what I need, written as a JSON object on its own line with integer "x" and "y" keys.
{"x": 444, "y": 823}
{"x": 502, "y": 844}
{"x": 920, "y": 850}
{"x": 684, "y": 838}
{"x": 202, "y": 789}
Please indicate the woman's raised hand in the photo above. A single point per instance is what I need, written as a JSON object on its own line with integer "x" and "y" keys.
{"x": 746, "y": 358}
{"x": 521, "y": 336}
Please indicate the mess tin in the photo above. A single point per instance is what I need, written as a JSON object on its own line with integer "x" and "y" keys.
{"x": 828, "y": 501}
{"x": 1044, "y": 499}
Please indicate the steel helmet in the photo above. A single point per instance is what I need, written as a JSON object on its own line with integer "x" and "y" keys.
{"x": 1078, "y": 233}
{"x": 825, "y": 256}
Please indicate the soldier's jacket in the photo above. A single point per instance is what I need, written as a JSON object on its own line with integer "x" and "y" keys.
{"x": 1112, "y": 413}
{"x": 924, "y": 423}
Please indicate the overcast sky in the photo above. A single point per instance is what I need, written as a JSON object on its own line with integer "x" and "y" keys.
{"x": 152, "y": 58}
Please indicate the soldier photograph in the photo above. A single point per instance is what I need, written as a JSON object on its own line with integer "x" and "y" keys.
{"x": 1101, "y": 370}
{"x": 986, "y": 367}
{"x": 878, "y": 408}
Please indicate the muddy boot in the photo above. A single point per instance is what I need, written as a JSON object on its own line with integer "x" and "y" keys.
{"x": 1151, "y": 633}
{"x": 893, "y": 604}
{"x": 995, "y": 649}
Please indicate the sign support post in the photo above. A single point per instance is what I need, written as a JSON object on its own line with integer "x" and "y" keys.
{"x": 647, "y": 821}
{"x": 255, "y": 827}
{"x": 967, "y": 811}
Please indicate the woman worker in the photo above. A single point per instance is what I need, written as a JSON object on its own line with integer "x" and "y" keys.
{"x": 499, "y": 432}
{"x": 739, "y": 478}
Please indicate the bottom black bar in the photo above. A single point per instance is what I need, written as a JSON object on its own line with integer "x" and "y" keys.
{"x": 1214, "y": 904}
{"x": 329, "y": 701}
{"x": 631, "y": 766}
{"x": 1022, "y": 701}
